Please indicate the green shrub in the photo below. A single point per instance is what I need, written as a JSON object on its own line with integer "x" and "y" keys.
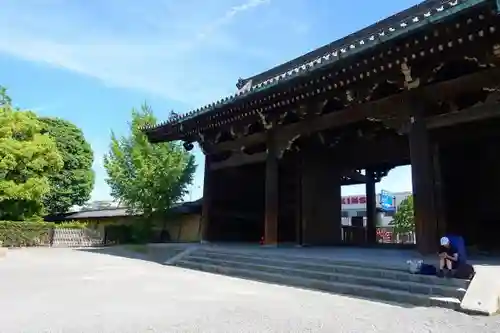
{"x": 15, "y": 234}
{"x": 71, "y": 225}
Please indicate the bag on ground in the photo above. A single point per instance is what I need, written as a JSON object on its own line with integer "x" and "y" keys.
{"x": 427, "y": 269}
{"x": 414, "y": 265}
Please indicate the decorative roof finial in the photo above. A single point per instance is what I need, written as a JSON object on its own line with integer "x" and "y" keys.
{"x": 241, "y": 83}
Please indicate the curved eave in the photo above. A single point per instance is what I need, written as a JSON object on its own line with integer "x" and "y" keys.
{"x": 403, "y": 24}
{"x": 159, "y": 134}
{"x": 375, "y": 28}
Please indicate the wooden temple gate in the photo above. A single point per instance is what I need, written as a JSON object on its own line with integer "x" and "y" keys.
{"x": 419, "y": 87}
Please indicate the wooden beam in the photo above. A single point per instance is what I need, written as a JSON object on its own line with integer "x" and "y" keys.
{"x": 350, "y": 182}
{"x": 422, "y": 182}
{"x": 356, "y": 176}
{"x": 233, "y": 214}
{"x": 207, "y": 202}
{"x": 271, "y": 193}
{"x": 372, "y": 153}
{"x": 475, "y": 113}
{"x": 389, "y": 107}
{"x": 245, "y": 141}
{"x": 238, "y": 159}
{"x": 371, "y": 208}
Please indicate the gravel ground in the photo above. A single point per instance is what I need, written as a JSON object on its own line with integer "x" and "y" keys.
{"x": 62, "y": 290}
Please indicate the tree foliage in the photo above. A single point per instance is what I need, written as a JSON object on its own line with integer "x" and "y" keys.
{"x": 74, "y": 183}
{"x": 146, "y": 177}
{"x": 404, "y": 219}
{"x": 4, "y": 98}
{"x": 28, "y": 156}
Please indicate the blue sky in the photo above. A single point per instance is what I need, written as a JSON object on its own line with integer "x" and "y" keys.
{"x": 91, "y": 61}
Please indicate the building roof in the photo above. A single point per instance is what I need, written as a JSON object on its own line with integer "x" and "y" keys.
{"x": 100, "y": 213}
{"x": 405, "y": 22}
{"x": 182, "y": 208}
{"x": 390, "y": 27}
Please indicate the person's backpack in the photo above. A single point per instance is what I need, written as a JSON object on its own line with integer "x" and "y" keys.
{"x": 459, "y": 243}
{"x": 427, "y": 269}
{"x": 464, "y": 271}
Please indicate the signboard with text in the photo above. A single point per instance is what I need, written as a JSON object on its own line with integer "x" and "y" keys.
{"x": 387, "y": 201}
{"x": 354, "y": 200}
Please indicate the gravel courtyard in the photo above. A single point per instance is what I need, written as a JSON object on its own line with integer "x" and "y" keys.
{"x": 63, "y": 290}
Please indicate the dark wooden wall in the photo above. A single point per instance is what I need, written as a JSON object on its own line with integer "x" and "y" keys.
{"x": 237, "y": 204}
{"x": 289, "y": 198}
{"x": 471, "y": 183}
{"x": 321, "y": 199}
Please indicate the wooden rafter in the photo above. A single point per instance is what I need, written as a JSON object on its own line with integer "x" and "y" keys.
{"x": 239, "y": 159}
{"x": 389, "y": 107}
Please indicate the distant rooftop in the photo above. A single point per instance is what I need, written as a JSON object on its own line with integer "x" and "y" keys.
{"x": 181, "y": 208}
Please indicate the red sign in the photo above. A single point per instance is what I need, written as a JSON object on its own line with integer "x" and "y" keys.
{"x": 384, "y": 235}
{"x": 354, "y": 200}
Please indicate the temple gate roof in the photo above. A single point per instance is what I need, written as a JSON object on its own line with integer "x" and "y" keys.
{"x": 398, "y": 25}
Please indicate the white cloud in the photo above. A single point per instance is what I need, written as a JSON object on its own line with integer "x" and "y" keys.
{"x": 179, "y": 50}
{"x": 192, "y": 51}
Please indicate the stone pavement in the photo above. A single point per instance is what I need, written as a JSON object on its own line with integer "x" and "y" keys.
{"x": 63, "y": 290}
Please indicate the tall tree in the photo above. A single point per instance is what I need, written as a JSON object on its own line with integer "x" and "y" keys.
{"x": 404, "y": 219}
{"x": 147, "y": 177}
{"x": 74, "y": 183}
{"x": 28, "y": 156}
{"x": 4, "y": 98}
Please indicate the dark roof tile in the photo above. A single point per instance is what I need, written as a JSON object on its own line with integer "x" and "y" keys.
{"x": 429, "y": 11}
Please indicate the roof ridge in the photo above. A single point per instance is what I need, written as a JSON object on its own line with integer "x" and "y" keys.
{"x": 349, "y": 39}
{"x": 394, "y": 26}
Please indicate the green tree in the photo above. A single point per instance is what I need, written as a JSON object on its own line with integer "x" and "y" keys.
{"x": 4, "y": 98}
{"x": 28, "y": 156}
{"x": 74, "y": 183}
{"x": 147, "y": 178}
{"x": 404, "y": 219}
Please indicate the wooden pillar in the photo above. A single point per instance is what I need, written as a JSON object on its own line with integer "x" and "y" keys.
{"x": 321, "y": 200}
{"x": 423, "y": 182}
{"x": 371, "y": 208}
{"x": 299, "y": 228}
{"x": 272, "y": 192}
{"x": 206, "y": 203}
{"x": 439, "y": 192}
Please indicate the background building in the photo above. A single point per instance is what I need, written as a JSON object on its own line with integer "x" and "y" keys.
{"x": 387, "y": 203}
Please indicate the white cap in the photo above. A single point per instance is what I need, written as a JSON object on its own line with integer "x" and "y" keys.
{"x": 444, "y": 241}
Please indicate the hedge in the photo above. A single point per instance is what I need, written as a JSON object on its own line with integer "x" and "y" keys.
{"x": 15, "y": 233}
{"x": 71, "y": 225}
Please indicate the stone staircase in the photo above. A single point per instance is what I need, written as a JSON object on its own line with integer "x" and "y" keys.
{"x": 334, "y": 276}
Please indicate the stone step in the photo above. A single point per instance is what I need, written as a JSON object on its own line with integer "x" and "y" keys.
{"x": 334, "y": 277}
{"x": 332, "y": 266}
{"x": 369, "y": 292}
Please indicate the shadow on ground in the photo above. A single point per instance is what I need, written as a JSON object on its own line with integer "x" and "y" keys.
{"x": 119, "y": 251}
{"x": 160, "y": 256}
{"x": 162, "y": 253}
{"x": 157, "y": 253}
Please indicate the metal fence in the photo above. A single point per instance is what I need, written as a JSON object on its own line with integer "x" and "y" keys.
{"x": 63, "y": 237}
{"x": 386, "y": 235}
{"x": 358, "y": 235}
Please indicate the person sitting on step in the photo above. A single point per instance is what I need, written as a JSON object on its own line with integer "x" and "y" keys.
{"x": 448, "y": 258}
